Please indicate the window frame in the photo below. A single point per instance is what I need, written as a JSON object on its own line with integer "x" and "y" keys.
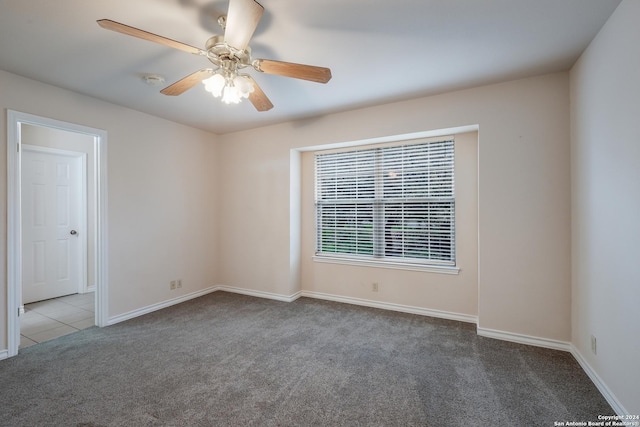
{"x": 377, "y": 205}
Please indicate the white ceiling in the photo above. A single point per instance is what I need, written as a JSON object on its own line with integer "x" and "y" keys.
{"x": 378, "y": 51}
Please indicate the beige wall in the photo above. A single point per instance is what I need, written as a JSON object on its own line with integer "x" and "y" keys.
{"x": 161, "y": 188}
{"x": 456, "y": 294}
{"x": 605, "y": 131}
{"x": 523, "y": 199}
{"x": 165, "y": 179}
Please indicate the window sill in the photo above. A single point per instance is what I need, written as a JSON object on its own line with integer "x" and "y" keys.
{"x": 441, "y": 269}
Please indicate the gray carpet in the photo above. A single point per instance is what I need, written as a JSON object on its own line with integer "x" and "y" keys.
{"x": 232, "y": 360}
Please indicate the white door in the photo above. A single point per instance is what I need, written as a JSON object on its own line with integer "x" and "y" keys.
{"x": 52, "y": 223}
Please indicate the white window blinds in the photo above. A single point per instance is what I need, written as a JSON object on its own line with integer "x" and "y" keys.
{"x": 390, "y": 203}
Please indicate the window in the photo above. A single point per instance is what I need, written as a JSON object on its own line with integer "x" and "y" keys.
{"x": 389, "y": 204}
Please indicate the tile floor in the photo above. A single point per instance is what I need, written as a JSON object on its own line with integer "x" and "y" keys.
{"x": 46, "y": 320}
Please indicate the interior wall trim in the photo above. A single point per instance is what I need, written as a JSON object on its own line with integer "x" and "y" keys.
{"x": 525, "y": 339}
{"x": 393, "y": 307}
{"x": 4, "y": 354}
{"x": 173, "y": 301}
{"x": 599, "y": 383}
{"x": 355, "y": 301}
{"x": 159, "y": 306}
{"x": 259, "y": 294}
{"x": 563, "y": 346}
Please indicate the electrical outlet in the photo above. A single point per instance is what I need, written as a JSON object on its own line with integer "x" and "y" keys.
{"x": 374, "y": 286}
{"x": 172, "y": 284}
{"x": 594, "y": 345}
{"x": 179, "y": 285}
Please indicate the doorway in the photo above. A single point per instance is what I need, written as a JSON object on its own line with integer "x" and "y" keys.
{"x": 87, "y": 236}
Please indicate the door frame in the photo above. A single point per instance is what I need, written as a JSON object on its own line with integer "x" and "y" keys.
{"x": 15, "y": 119}
{"x": 83, "y": 219}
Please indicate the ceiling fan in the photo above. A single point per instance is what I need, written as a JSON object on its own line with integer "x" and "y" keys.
{"x": 229, "y": 54}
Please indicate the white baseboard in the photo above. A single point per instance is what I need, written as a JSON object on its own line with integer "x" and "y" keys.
{"x": 563, "y": 346}
{"x": 259, "y": 294}
{"x": 349, "y": 300}
{"x": 393, "y": 307}
{"x": 154, "y": 307}
{"x": 4, "y": 354}
{"x": 525, "y": 339}
{"x": 355, "y": 301}
{"x": 601, "y": 386}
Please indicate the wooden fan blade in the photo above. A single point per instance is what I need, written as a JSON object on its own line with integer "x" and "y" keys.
{"x": 108, "y": 24}
{"x": 297, "y": 71}
{"x": 242, "y": 19}
{"x": 187, "y": 83}
{"x": 258, "y": 98}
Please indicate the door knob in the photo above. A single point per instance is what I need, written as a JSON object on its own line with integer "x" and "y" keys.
{"x": 73, "y": 232}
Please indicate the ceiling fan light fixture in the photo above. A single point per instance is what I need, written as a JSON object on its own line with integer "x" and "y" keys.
{"x": 231, "y": 95}
{"x": 244, "y": 85}
{"x": 232, "y": 87}
{"x": 215, "y": 84}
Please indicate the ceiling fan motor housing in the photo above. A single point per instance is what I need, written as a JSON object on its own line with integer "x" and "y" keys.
{"x": 218, "y": 52}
